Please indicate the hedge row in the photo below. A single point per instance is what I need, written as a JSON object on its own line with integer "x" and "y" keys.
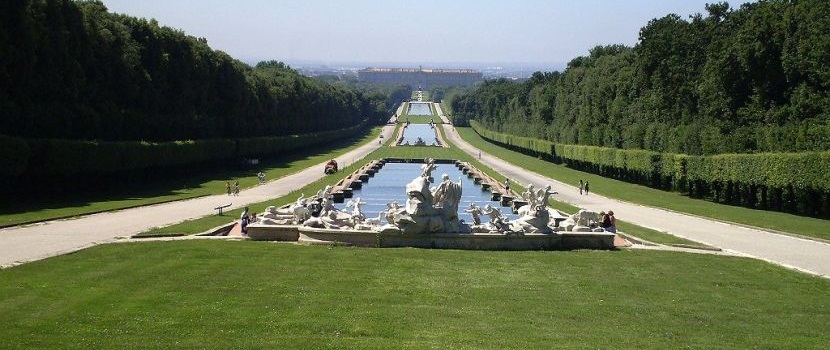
{"x": 796, "y": 182}
{"x": 47, "y": 157}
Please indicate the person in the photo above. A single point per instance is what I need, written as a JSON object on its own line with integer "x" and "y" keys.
{"x": 236, "y": 188}
{"x": 581, "y": 186}
{"x": 261, "y": 177}
{"x": 479, "y": 154}
{"x": 507, "y": 184}
{"x": 613, "y": 227}
{"x": 605, "y": 223}
{"x": 228, "y": 187}
{"x": 243, "y": 221}
{"x": 586, "y": 188}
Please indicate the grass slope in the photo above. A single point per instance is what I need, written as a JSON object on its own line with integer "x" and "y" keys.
{"x": 783, "y": 222}
{"x": 254, "y": 295}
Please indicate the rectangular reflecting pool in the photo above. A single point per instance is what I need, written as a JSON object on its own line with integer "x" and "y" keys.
{"x": 389, "y": 185}
{"x": 419, "y": 108}
{"x": 423, "y": 131}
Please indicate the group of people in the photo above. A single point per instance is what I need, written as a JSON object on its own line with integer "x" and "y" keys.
{"x": 583, "y": 187}
{"x": 246, "y": 219}
{"x": 232, "y": 190}
{"x": 608, "y": 221}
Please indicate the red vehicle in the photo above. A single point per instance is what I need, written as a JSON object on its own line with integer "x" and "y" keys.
{"x": 331, "y": 167}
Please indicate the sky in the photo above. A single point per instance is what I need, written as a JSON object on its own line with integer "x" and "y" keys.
{"x": 425, "y": 32}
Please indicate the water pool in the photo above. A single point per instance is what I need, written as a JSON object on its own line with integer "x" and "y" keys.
{"x": 419, "y": 108}
{"x": 412, "y": 132}
{"x": 389, "y": 185}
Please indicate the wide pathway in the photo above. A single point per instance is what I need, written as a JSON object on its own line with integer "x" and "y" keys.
{"x": 33, "y": 242}
{"x": 801, "y": 254}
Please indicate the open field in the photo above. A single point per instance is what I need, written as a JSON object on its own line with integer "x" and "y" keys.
{"x": 198, "y": 183}
{"x": 782, "y": 222}
{"x": 255, "y": 295}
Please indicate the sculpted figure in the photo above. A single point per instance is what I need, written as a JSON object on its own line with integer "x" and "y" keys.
{"x": 357, "y": 209}
{"x": 475, "y": 212}
{"x": 427, "y": 168}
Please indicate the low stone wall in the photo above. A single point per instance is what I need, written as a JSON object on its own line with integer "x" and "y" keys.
{"x": 478, "y": 241}
{"x": 288, "y": 233}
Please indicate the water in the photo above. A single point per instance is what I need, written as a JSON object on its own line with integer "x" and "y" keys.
{"x": 414, "y": 131}
{"x": 419, "y": 108}
{"x": 389, "y": 185}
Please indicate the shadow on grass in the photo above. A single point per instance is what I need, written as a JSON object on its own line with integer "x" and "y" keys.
{"x": 46, "y": 199}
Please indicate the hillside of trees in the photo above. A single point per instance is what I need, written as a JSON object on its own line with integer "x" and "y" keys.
{"x": 383, "y": 97}
{"x": 746, "y": 80}
{"x": 72, "y": 70}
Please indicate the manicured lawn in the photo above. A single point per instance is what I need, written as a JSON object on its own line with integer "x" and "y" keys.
{"x": 210, "y": 294}
{"x": 209, "y": 182}
{"x": 420, "y": 119}
{"x": 805, "y": 226}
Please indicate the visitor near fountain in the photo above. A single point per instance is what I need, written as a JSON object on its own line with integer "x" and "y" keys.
{"x": 243, "y": 221}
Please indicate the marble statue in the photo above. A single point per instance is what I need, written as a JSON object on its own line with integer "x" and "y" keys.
{"x": 291, "y": 214}
{"x": 534, "y": 217}
{"x": 581, "y": 221}
{"x": 475, "y": 212}
{"x": 427, "y": 210}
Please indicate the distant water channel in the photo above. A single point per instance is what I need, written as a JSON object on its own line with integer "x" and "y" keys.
{"x": 389, "y": 185}
{"x": 419, "y": 108}
{"x": 414, "y": 131}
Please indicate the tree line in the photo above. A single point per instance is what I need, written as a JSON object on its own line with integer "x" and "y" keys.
{"x": 747, "y": 80}
{"x": 72, "y": 70}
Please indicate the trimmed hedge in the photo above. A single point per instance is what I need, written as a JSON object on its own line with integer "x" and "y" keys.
{"x": 58, "y": 157}
{"x": 794, "y": 182}
{"x": 526, "y": 143}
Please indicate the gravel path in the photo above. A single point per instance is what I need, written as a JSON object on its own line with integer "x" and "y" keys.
{"x": 22, "y": 244}
{"x": 793, "y": 252}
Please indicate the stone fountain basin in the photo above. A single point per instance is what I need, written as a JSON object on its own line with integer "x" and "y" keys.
{"x": 475, "y": 241}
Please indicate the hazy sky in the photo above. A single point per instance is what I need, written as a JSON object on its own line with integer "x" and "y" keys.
{"x": 548, "y": 32}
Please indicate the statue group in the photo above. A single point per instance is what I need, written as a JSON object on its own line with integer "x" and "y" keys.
{"x": 430, "y": 207}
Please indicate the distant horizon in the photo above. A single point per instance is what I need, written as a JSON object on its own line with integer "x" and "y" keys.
{"x": 424, "y": 65}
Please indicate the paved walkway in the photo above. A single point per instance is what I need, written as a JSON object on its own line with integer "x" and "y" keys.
{"x": 798, "y": 253}
{"x": 38, "y": 241}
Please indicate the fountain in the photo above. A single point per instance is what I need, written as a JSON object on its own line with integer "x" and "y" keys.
{"x": 429, "y": 218}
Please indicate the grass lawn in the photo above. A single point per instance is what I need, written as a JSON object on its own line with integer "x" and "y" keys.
{"x": 426, "y": 97}
{"x": 788, "y": 223}
{"x": 24, "y": 210}
{"x": 419, "y": 119}
{"x": 210, "y": 294}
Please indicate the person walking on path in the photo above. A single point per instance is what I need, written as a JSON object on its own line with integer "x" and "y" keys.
{"x": 581, "y": 186}
{"x": 236, "y": 188}
{"x": 507, "y": 184}
{"x": 586, "y": 188}
{"x": 228, "y": 187}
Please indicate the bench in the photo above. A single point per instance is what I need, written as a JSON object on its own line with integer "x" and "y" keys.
{"x": 219, "y": 208}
